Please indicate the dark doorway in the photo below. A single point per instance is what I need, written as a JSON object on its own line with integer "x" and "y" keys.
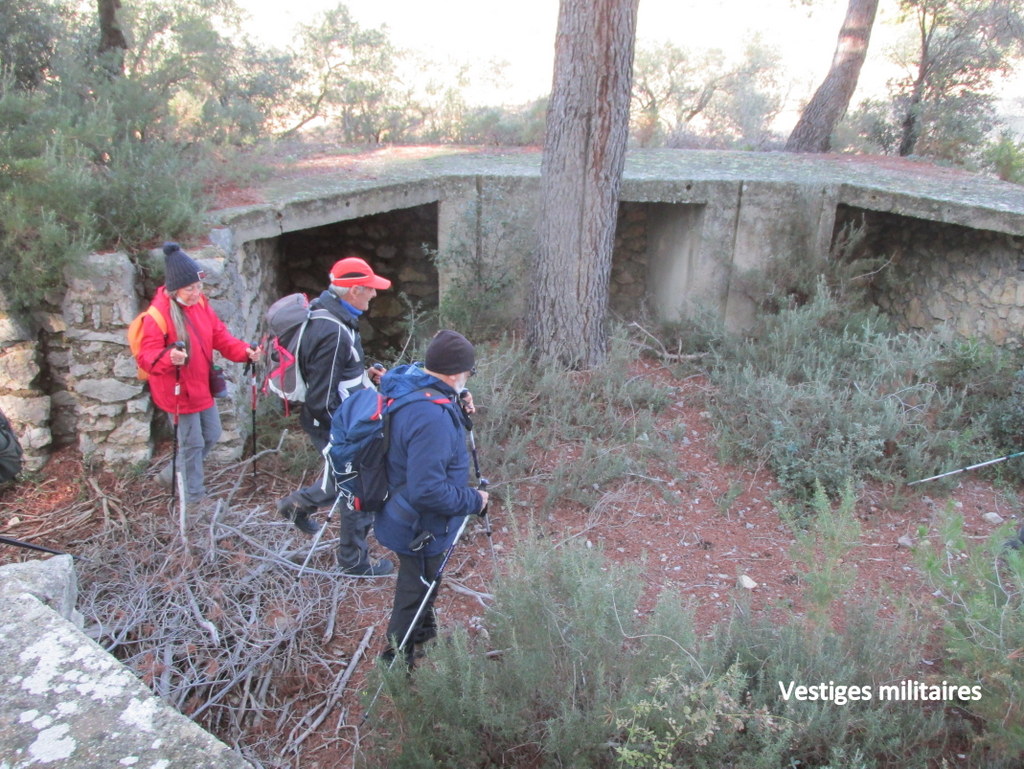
{"x": 398, "y": 245}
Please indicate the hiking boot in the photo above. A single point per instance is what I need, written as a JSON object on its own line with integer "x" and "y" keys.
{"x": 382, "y": 568}
{"x": 389, "y": 656}
{"x": 299, "y": 516}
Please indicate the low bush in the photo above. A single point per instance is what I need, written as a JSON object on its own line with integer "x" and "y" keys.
{"x": 579, "y": 680}
{"x": 824, "y": 395}
{"x": 979, "y": 590}
{"x": 573, "y": 433}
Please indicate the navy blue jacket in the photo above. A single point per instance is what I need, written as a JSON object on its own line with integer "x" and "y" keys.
{"x": 428, "y": 465}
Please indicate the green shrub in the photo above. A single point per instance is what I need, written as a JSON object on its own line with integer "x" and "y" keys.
{"x": 560, "y": 620}
{"x": 979, "y": 590}
{"x": 77, "y": 180}
{"x": 830, "y": 533}
{"x": 1005, "y": 157}
{"x": 580, "y": 680}
{"x": 870, "y": 652}
{"x": 575, "y": 433}
{"x": 1005, "y": 423}
{"x": 822, "y": 395}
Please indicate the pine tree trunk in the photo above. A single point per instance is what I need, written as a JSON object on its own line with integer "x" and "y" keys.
{"x": 813, "y": 131}
{"x": 581, "y": 171}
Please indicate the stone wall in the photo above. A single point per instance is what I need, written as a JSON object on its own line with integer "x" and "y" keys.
{"x": 970, "y": 281}
{"x": 100, "y": 394}
{"x": 627, "y": 289}
{"x": 22, "y": 397}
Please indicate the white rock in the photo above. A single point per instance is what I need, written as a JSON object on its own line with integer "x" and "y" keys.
{"x": 746, "y": 582}
{"x": 994, "y": 518}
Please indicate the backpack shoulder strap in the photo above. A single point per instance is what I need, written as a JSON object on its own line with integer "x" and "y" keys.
{"x": 159, "y": 319}
{"x": 430, "y": 394}
{"x": 319, "y": 313}
{"x": 161, "y": 323}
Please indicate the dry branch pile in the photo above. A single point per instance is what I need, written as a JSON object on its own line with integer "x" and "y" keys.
{"x": 213, "y": 615}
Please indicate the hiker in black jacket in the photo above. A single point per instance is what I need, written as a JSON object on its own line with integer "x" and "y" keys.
{"x": 333, "y": 365}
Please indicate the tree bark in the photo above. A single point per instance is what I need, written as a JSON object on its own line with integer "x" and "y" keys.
{"x": 813, "y": 131}
{"x": 910, "y": 126}
{"x": 581, "y": 171}
{"x": 113, "y": 43}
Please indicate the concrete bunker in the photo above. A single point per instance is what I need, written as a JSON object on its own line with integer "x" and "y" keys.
{"x": 692, "y": 226}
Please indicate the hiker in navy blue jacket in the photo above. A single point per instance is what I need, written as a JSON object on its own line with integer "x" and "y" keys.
{"x": 428, "y": 474}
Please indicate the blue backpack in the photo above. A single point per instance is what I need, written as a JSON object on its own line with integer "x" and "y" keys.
{"x": 360, "y": 435}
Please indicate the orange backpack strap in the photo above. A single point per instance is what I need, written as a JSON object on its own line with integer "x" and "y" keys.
{"x": 161, "y": 323}
{"x": 158, "y": 318}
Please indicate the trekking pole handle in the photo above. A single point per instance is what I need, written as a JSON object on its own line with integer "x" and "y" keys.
{"x": 179, "y": 346}
{"x": 481, "y": 485}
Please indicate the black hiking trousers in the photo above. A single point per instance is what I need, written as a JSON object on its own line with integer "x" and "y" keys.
{"x": 415, "y": 573}
{"x": 353, "y": 549}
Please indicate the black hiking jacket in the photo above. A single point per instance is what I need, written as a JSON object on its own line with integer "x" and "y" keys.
{"x": 331, "y": 354}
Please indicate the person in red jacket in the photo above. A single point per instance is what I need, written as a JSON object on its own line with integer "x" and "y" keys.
{"x": 179, "y": 362}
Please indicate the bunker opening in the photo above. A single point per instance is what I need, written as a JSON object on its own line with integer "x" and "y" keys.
{"x": 398, "y": 244}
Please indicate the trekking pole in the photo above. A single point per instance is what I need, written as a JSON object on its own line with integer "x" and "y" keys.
{"x": 250, "y": 368}
{"x": 320, "y": 532}
{"x": 417, "y": 618}
{"x": 481, "y": 483}
{"x": 971, "y": 467}
{"x": 29, "y": 546}
{"x": 177, "y": 413}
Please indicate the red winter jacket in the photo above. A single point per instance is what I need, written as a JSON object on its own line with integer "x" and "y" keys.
{"x": 206, "y": 333}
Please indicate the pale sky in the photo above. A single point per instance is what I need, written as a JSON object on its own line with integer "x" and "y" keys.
{"x": 522, "y": 32}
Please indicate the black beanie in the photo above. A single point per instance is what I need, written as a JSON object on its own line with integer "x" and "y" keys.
{"x": 180, "y": 269}
{"x": 450, "y": 353}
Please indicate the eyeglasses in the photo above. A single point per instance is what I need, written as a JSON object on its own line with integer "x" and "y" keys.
{"x": 195, "y": 288}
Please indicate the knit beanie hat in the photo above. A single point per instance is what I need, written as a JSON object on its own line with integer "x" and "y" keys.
{"x": 450, "y": 353}
{"x": 180, "y": 269}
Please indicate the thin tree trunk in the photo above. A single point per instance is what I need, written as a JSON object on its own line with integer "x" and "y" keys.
{"x": 910, "y": 128}
{"x": 813, "y": 131}
{"x": 581, "y": 171}
{"x": 113, "y": 44}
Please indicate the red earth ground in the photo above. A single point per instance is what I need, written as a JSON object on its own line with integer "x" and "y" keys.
{"x": 698, "y": 536}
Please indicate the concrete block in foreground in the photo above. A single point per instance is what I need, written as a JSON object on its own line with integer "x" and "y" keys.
{"x": 66, "y": 703}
